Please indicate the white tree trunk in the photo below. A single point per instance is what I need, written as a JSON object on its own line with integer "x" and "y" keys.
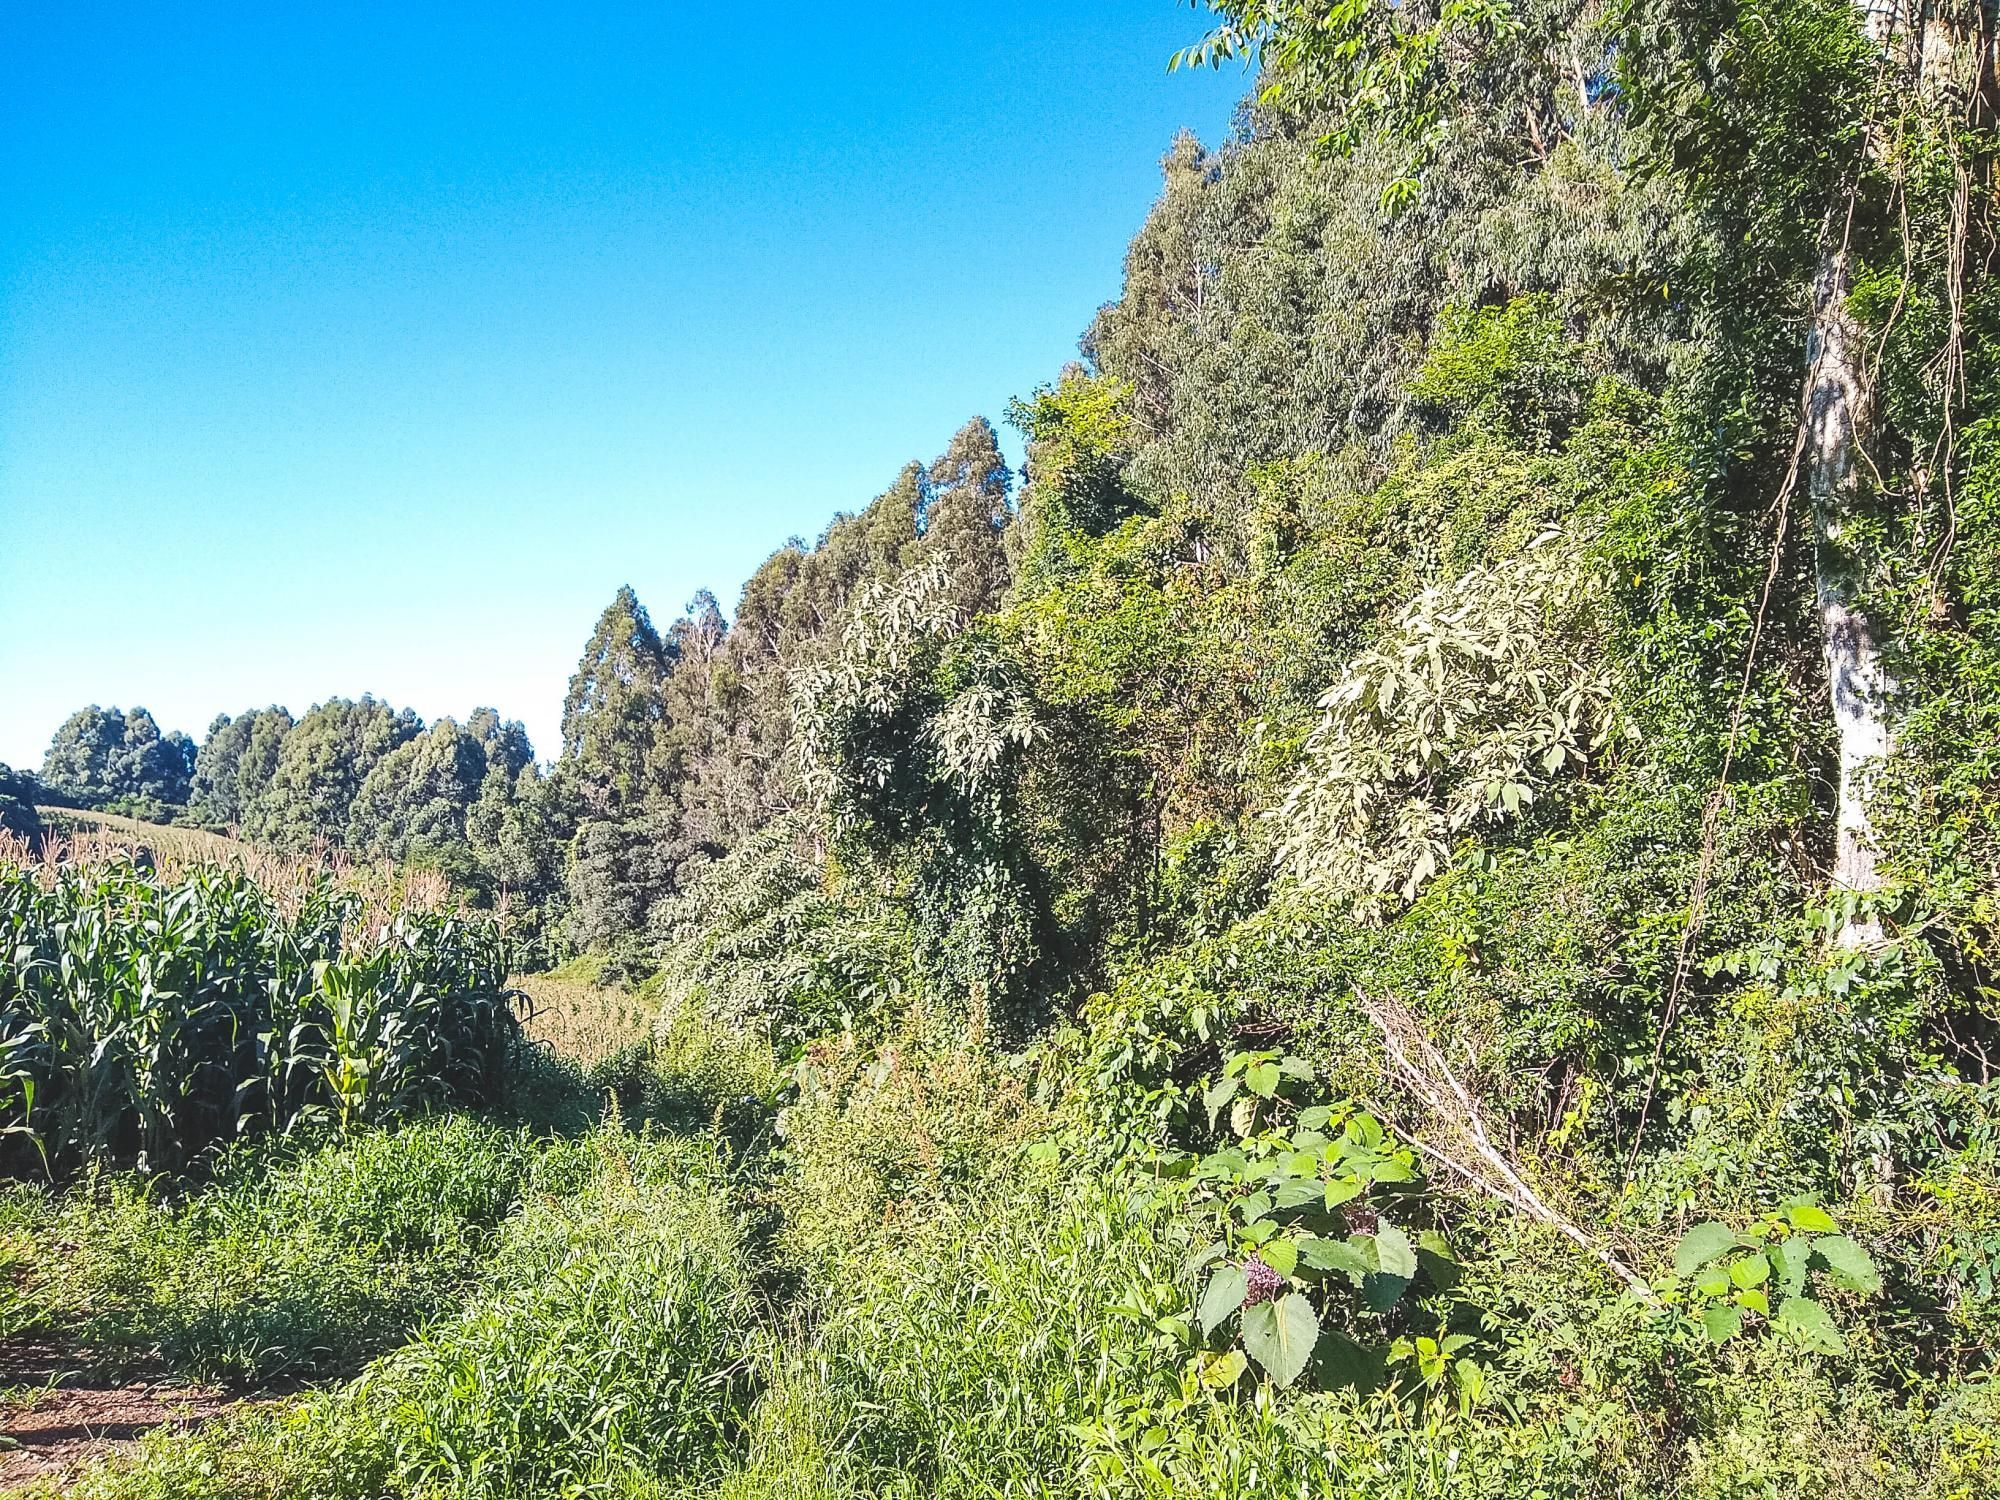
{"x": 1839, "y": 418}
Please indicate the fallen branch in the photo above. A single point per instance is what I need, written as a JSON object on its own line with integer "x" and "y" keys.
{"x": 1468, "y": 1150}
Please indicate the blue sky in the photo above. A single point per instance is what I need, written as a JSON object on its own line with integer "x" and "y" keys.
{"x": 371, "y": 349}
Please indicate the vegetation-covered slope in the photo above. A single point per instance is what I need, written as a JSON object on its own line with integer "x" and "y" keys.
{"x": 1411, "y": 913}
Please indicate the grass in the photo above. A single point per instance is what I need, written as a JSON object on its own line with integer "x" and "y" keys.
{"x": 859, "y": 1281}
{"x": 579, "y": 1019}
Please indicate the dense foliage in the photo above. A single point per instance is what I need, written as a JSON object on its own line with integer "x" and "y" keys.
{"x": 1410, "y": 913}
{"x": 150, "y": 1020}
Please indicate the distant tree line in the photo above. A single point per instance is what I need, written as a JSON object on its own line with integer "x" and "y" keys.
{"x": 675, "y": 744}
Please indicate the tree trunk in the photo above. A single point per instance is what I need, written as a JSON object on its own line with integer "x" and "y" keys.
{"x": 1839, "y": 418}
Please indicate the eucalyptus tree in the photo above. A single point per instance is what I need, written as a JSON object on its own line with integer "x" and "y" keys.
{"x": 101, "y": 755}
{"x": 1826, "y": 157}
{"x": 613, "y": 715}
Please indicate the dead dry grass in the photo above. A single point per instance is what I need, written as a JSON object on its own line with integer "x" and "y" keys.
{"x": 87, "y": 839}
{"x": 581, "y": 1020}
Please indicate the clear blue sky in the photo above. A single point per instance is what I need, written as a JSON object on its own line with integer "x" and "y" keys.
{"x": 371, "y": 347}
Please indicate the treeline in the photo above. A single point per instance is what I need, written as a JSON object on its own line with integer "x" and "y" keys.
{"x": 676, "y": 745}
{"x": 350, "y": 775}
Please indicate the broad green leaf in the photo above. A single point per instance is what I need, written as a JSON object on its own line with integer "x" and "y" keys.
{"x": 1280, "y": 1336}
{"x": 1220, "y": 1370}
{"x": 1281, "y": 1256}
{"x": 1300, "y": 1191}
{"x": 1261, "y": 1079}
{"x": 1217, "y": 1095}
{"x": 1852, "y": 1267}
{"x": 1334, "y": 1255}
{"x": 1750, "y": 1270}
{"x": 1380, "y": 1291}
{"x": 1788, "y": 1260}
{"x": 1722, "y": 1323}
{"x": 1226, "y": 1290}
{"x": 1810, "y": 1218}
{"x": 1257, "y": 1231}
{"x": 1221, "y": 1167}
{"x": 1753, "y": 1300}
{"x": 1342, "y": 1190}
{"x": 1700, "y": 1245}
{"x": 1394, "y": 1253}
{"x": 1806, "y": 1320}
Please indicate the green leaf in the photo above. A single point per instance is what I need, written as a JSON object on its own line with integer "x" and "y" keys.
{"x": 1810, "y": 1218}
{"x": 1342, "y": 1190}
{"x": 1700, "y": 1245}
{"x": 1394, "y": 1254}
{"x": 1218, "y": 1095}
{"x": 1226, "y": 1291}
{"x": 1281, "y": 1256}
{"x": 1380, "y": 1291}
{"x": 1315, "y": 1118}
{"x": 1808, "y": 1322}
{"x": 1751, "y": 1270}
{"x": 1300, "y": 1191}
{"x": 1205, "y": 1257}
{"x": 1261, "y": 1079}
{"x": 1789, "y": 1260}
{"x": 1280, "y": 1336}
{"x": 1852, "y": 1267}
{"x": 1722, "y": 1323}
{"x": 1334, "y": 1255}
{"x": 1223, "y": 1369}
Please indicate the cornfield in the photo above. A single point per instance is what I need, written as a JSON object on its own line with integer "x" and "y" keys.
{"x": 145, "y": 1018}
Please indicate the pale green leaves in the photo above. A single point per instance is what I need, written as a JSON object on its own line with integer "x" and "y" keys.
{"x": 1226, "y": 1291}
{"x": 1280, "y": 1336}
{"x": 1476, "y": 696}
{"x": 1808, "y": 1322}
{"x": 1700, "y": 1245}
{"x": 1733, "y": 1277}
{"x": 1849, "y": 1264}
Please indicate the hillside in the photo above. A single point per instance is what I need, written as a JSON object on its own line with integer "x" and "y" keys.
{"x": 1408, "y": 911}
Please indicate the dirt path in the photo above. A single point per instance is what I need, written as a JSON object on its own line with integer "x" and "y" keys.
{"x": 60, "y": 1416}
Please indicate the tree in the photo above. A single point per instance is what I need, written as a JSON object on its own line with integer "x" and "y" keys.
{"x": 321, "y": 764}
{"x": 1816, "y": 143}
{"x": 613, "y": 716}
{"x": 234, "y": 764}
{"x": 99, "y": 756}
{"x": 19, "y": 792}
{"x": 81, "y": 764}
{"x": 964, "y": 512}
{"x": 416, "y": 797}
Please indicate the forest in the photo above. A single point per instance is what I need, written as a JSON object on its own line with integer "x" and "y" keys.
{"x": 1409, "y": 910}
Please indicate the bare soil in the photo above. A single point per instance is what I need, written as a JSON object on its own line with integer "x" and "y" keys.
{"x": 61, "y": 1414}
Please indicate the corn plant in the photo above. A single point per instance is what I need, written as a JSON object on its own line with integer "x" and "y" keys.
{"x": 145, "y": 1019}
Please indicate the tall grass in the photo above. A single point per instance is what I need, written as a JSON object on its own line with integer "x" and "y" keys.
{"x": 148, "y": 1018}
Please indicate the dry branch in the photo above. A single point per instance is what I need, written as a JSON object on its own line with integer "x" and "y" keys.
{"x": 1459, "y": 1140}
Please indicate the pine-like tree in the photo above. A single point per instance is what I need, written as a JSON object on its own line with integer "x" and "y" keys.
{"x": 614, "y": 715}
